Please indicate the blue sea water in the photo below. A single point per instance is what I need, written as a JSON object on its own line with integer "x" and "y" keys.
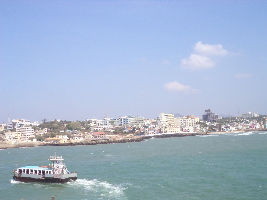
{"x": 188, "y": 168}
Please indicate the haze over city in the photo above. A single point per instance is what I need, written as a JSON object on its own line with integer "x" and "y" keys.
{"x": 79, "y": 59}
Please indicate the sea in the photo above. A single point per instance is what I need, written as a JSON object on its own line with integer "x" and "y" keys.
{"x": 216, "y": 167}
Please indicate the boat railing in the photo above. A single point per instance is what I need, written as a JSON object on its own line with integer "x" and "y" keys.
{"x": 56, "y": 158}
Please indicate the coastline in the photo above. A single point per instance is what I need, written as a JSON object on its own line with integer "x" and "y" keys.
{"x": 4, "y": 145}
{"x": 233, "y": 132}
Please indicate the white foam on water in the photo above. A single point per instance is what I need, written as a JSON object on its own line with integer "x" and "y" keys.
{"x": 12, "y": 181}
{"x": 264, "y": 133}
{"x": 246, "y": 133}
{"x": 102, "y": 187}
{"x": 207, "y": 135}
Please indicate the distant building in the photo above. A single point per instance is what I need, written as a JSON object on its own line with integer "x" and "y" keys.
{"x": 167, "y": 123}
{"x": 186, "y": 121}
{"x": 209, "y": 116}
{"x": 25, "y": 132}
{"x": 171, "y": 129}
{"x": 17, "y": 123}
{"x": 166, "y": 119}
{"x": 99, "y": 135}
{"x": 250, "y": 115}
{"x": 2, "y": 127}
{"x": 130, "y": 121}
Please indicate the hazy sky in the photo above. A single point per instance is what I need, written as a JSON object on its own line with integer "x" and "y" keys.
{"x": 85, "y": 59}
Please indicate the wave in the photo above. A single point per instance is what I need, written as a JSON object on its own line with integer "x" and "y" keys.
{"x": 103, "y": 187}
{"x": 12, "y": 181}
{"x": 246, "y": 133}
{"x": 264, "y": 133}
{"x": 207, "y": 135}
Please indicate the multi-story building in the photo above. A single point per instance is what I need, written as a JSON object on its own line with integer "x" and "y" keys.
{"x": 250, "y": 115}
{"x": 171, "y": 129}
{"x": 130, "y": 121}
{"x": 166, "y": 119}
{"x": 137, "y": 121}
{"x": 167, "y": 123}
{"x": 124, "y": 121}
{"x": 16, "y": 123}
{"x": 2, "y": 127}
{"x": 187, "y": 121}
{"x": 25, "y": 132}
{"x": 209, "y": 116}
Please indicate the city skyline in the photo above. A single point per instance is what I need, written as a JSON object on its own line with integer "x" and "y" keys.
{"x": 200, "y": 116}
{"x": 69, "y": 60}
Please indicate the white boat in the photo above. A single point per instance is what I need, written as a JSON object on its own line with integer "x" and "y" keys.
{"x": 56, "y": 172}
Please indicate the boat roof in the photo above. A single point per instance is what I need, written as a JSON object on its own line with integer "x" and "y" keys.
{"x": 35, "y": 168}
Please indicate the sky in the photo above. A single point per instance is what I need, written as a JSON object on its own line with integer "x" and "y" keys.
{"x": 83, "y": 59}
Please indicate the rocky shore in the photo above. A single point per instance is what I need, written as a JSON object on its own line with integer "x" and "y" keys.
{"x": 4, "y": 145}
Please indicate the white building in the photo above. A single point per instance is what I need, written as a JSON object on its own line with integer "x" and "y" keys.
{"x": 171, "y": 129}
{"x": 250, "y": 115}
{"x": 26, "y": 132}
{"x": 187, "y": 121}
{"x": 2, "y": 127}
{"x": 16, "y": 123}
{"x": 166, "y": 119}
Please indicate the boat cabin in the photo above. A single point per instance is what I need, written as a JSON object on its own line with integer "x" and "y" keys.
{"x": 36, "y": 170}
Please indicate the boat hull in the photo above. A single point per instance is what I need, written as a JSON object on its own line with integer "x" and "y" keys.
{"x": 44, "y": 180}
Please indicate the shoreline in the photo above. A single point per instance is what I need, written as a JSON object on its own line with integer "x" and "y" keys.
{"x": 91, "y": 142}
{"x": 4, "y": 145}
{"x": 233, "y": 132}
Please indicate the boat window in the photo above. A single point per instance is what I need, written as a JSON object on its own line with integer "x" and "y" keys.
{"x": 39, "y": 172}
{"x": 31, "y": 171}
{"x": 49, "y": 172}
{"x": 23, "y": 170}
{"x": 27, "y": 171}
{"x": 43, "y": 172}
{"x": 35, "y": 171}
{"x": 20, "y": 171}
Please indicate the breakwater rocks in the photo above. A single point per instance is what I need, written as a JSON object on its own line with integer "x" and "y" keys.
{"x": 95, "y": 142}
{"x": 124, "y": 140}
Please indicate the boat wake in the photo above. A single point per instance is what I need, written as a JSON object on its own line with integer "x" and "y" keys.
{"x": 12, "y": 181}
{"x": 104, "y": 188}
{"x": 93, "y": 187}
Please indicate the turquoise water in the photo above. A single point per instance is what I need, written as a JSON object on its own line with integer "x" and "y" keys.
{"x": 192, "y": 168}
